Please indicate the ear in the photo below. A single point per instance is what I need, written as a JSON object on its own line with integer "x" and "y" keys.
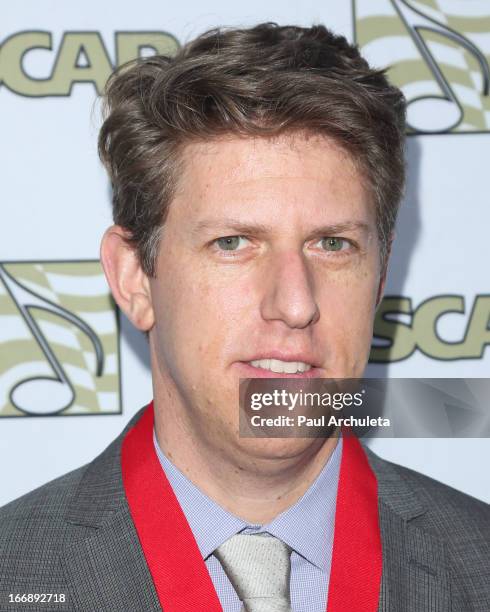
{"x": 129, "y": 284}
{"x": 384, "y": 271}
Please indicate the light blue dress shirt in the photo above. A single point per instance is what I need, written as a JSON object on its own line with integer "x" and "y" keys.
{"x": 307, "y": 527}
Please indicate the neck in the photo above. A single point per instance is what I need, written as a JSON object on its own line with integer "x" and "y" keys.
{"x": 255, "y": 487}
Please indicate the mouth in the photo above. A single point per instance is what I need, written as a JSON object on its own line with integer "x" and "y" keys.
{"x": 279, "y": 368}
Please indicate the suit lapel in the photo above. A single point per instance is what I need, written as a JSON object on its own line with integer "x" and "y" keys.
{"x": 415, "y": 574}
{"x": 103, "y": 559}
{"x": 107, "y": 570}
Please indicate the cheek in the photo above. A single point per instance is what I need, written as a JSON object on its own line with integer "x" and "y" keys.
{"x": 347, "y": 307}
{"x": 199, "y": 316}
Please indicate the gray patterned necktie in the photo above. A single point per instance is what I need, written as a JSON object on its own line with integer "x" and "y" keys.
{"x": 258, "y": 566}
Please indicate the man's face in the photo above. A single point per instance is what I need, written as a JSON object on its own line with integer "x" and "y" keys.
{"x": 268, "y": 266}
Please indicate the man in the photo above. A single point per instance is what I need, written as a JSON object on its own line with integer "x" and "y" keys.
{"x": 256, "y": 178}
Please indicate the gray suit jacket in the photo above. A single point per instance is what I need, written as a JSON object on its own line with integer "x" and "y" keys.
{"x": 75, "y": 536}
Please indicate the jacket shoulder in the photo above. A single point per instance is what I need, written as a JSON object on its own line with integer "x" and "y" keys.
{"x": 40, "y": 530}
{"x": 446, "y": 504}
{"x": 48, "y": 500}
{"x": 36, "y": 527}
{"x": 32, "y": 534}
{"x": 437, "y": 498}
{"x": 83, "y": 487}
{"x": 458, "y": 521}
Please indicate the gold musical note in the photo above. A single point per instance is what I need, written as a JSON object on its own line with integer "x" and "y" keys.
{"x": 45, "y": 394}
{"x": 436, "y": 113}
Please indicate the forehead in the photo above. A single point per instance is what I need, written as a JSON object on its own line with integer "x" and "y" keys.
{"x": 282, "y": 171}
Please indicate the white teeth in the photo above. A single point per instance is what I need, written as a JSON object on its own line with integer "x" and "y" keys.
{"x": 281, "y": 367}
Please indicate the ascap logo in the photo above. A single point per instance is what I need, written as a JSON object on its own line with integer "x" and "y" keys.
{"x": 31, "y": 65}
{"x": 396, "y": 339}
{"x": 438, "y": 53}
{"x": 59, "y": 341}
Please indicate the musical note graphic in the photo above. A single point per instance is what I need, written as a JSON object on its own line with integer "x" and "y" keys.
{"x": 443, "y": 112}
{"x": 45, "y": 394}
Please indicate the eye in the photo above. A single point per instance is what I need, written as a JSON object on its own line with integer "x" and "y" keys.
{"x": 332, "y": 243}
{"x": 231, "y": 243}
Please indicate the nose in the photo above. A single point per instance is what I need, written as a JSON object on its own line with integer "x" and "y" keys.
{"x": 289, "y": 292}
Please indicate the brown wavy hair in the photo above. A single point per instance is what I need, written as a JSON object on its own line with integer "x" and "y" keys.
{"x": 259, "y": 81}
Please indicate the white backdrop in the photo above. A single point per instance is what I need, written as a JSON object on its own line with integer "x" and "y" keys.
{"x": 55, "y": 207}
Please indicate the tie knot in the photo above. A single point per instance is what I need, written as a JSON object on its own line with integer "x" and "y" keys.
{"x": 258, "y": 566}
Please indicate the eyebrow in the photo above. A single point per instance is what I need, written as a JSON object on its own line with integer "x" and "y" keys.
{"x": 259, "y": 229}
{"x": 231, "y": 224}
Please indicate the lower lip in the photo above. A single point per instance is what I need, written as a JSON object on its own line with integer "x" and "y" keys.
{"x": 249, "y": 371}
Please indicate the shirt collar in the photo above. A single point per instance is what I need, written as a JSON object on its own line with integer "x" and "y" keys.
{"x": 307, "y": 526}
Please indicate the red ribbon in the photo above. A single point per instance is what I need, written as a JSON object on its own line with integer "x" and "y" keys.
{"x": 355, "y": 574}
{"x": 180, "y": 576}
